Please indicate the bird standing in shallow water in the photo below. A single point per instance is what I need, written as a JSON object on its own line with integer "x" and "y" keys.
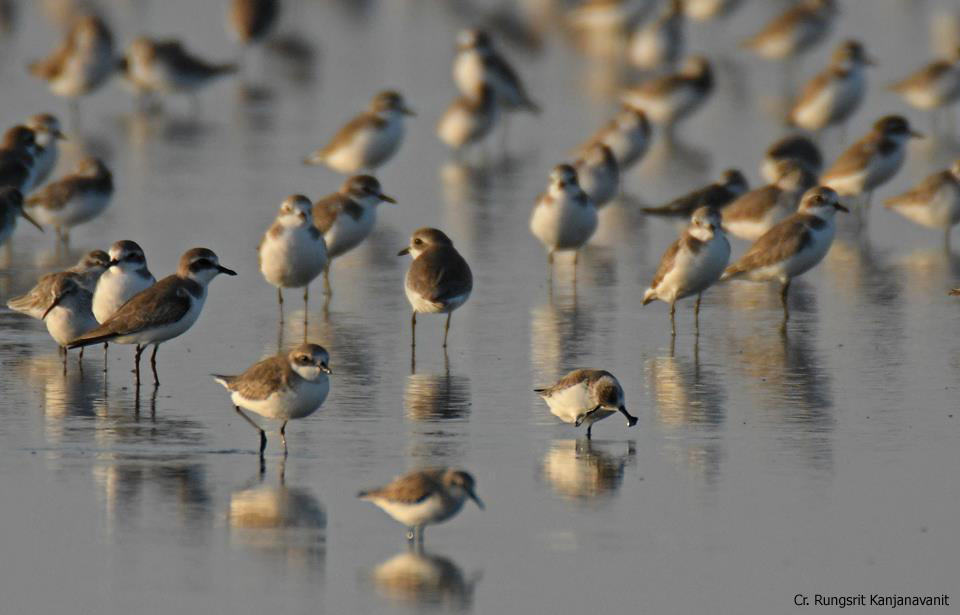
{"x": 586, "y": 396}
{"x": 86, "y": 272}
{"x": 73, "y": 199}
{"x": 934, "y": 202}
{"x": 564, "y": 217}
{"x": 46, "y": 133}
{"x": 126, "y": 275}
{"x": 835, "y": 94}
{"x": 69, "y": 315}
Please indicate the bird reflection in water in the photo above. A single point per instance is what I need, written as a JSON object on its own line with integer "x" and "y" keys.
{"x": 425, "y": 580}
{"x": 64, "y": 396}
{"x": 561, "y": 332}
{"x": 284, "y": 524}
{"x": 584, "y": 470}
{"x": 433, "y": 397}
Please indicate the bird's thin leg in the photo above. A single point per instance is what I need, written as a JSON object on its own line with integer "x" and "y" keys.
{"x": 783, "y": 300}
{"x": 105, "y": 346}
{"x": 673, "y": 319}
{"x": 306, "y": 297}
{"x": 326, "y": 280}
{"x": 589, "y": 427}
{"x": 283, "y": 437}
{"x": 413, "y": 330}
{"x": 280, "y": 301}
{"x": 80, "y": 358}
{"x": 153, "y": 365}
{"x": 696, "y": 314}
{"x": 263, "y": 434}
{"x": 306, "y": 311}
{"x": 64, "y": 349}
{"x": 446, "y": 329}
{"x": 136, "y": 360}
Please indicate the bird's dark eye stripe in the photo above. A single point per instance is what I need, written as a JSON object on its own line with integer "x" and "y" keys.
{"x": 202, "y": 263}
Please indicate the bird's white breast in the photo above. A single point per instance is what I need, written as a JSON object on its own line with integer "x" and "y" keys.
{"x": 114, "y": 288}
{"x": 346, "y": 233}
{"x": 293, "y": 258}
{"x": 563, "y": 224}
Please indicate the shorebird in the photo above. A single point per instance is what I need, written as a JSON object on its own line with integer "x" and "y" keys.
{"x": 423, "y": 498}
{"x": 69, "y": 315}
{"x": 82, "y": 63}
{"x": 564, "y": 217}
{"x": 283, "y": 387}
{"x": 692, "y": 264}
{"x": 659, "y": 43}
{"x": 166, "y": 67}
{"x": 792, "y": 247}
{"x": 717, "y": 195}
{"x": 74, "y": 198}
{"x": 17, "y": 158}
{"x": 438, "y": 281}
{"x": 469, "y": 119}
{"x": 347, "y": 217}
{"x": 126, "y": 275}
{"x": 671, "y": 98}
{"x": 934, "y": 202}
{"x": 627, "y": 135}
{"x": 798, "y": 148}
{"x": 794, "y": 31}
{"x": 598, "y": 174}
{"x": 756, "y": 212}
{"x": 293, "y": 252}
{"x": 368, "y": 140}
{"x": 250, "y": 21}
{"x": 478, "y": 63}
{"x": 871, "y": 161}
{"x": 586, "y": 396}
{"x": 934, "y": 86}
{"x": 706, "y": 10}
{"x": 11, "y": 208}
{"x": 162, "y": 312}
{"x": 832, "y": 96}
{"x": 86, "y": 273}
{"x": 46, "y": 133}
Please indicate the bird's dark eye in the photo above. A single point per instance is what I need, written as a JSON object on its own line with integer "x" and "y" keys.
{"x": 417, "y": 242}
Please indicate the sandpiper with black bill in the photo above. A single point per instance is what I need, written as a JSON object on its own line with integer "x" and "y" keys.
{"x": 438, "y": 281}
{"x": 564, "y": 218}
{"x": 831, "y": 97}
{"x": 717, "y": 195}
{"x": 347, "y": 217}
{"x": 659, "y": 43}
{"x": 283, "y": 387}
{"x": 126, "y": 275}
{"x": 293, "y": 252}
{"x": 86, "y": 273}
{"x": 756, "y": 212}
{"x": 166, "y": 67}
{"x": 70, "y": 314}
{"x": 627, "y": 135}
{"x": 792, "y": 247}
{"x": 368, "y": 140}
{"x": 11, "y": 208}
{"x": 82, "y": 63}
{"x": 671, "y": 98}
{"x": 424, "y": 497}
{"x": 586, "y": 396}
{"x": 162, "y": 312}
{"x": 934, "y": 202}
{"x": 46, "y": 133}
{"x": 795, "y": 31}
{"x": 478, "y": 63}
{"x": 74, "y": 198}
{"x": 692, "y": 264}
{"x": 799, "y": 148}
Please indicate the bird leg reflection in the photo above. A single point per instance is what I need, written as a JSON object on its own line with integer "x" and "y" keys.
{"x": 153, "y": 365}
{"x": 283, "y": 438}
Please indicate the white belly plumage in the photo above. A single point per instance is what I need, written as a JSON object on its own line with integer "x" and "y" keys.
{"x": 428, "y": 510}
{"x": 78, "y": 210}
{"x": 422, "y": 305}
{"x": 574, "y": 402}
{"x": 293, "y": 259}
{"x": 347, "y": 232}
{"x": 563, "y": 225}
{"x": 288, "y": 404}
{"x": 114, "y": 288}
{"x": 369, "y": 148}
{"x": 66, "y": 325}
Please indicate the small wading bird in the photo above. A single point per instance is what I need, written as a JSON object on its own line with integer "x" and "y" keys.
{"x": 564, "y": 217}
{"x": 717, "y": 195}
{"x": 834, "y": 95}
{"x": 795, "y": 31}
{"x": 69, "y": 315}
{"x": 423, "y": 498}
{"x": 692, "y": 264}
{"x": 126, "y": 275}
{"x": 438, "y": 280}
{"x": 86, "y": 272}
{"x": 586, "y": 396}
{"x": 74, "y": 198}
{"x": 934, "y": 202}
{"x": 46, "y": 133}
{"x": 283, "y": 387}
{"x": 166, "y": 67}
{"x": 162, "y": 312}
{"x": 11, "y": 208}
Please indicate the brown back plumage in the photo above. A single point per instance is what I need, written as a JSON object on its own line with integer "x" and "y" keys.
{"x": 411, "y": 488}
{"x": 439, "y": 274}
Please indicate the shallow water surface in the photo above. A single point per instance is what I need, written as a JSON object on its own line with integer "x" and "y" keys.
{"x": 766, "y": 463}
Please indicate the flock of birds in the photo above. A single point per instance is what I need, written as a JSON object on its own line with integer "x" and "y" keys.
{"x": 112, "y": 297}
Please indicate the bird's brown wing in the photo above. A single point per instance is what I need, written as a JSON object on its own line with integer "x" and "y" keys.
{"x": 666, "y": 262}
{"x": 752, "y": 204}
{"x": 409, "y": 489}
{"x": 262, "y": 379}
{"x": 326, "y": 210}
{"x": 440, "y": 274}
{"x": 346, "y": 134}
{"x": 923, "y": 76}
{"x": 776, "y": 245}
{"x": 854, "y": 159}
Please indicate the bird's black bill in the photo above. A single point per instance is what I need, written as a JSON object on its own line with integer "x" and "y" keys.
{"x": 325, "y": 369}
{"x": 842, "y": 208}
{"x": 388, "y": 199}
{"x": 30, "y": 219}
{"x": 631, "y": 420}
{"x": 55, "y": 303}
{"x": 223, "y": 269}
{"x": 473, "y": 496}
{"x": 404, "y": 252}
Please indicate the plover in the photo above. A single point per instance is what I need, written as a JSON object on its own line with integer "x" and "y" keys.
{"x": 126, "y": 275}
{"x": 717, "y": 195}
{"x": 163, "y": 311}
{"x": 438, "y": 281}
{"x": 598, "y": 174}
{"x": 17, "y": 158}
{"x": 46, "y": 133}
{"x": 934, "y": 86}
{"x": 756, "y": 212}
{"x": 934, "y": 202}
{"x": 586, "y": 396}
{"x": 469, "y": 119}
{"x": 705, "y": 10}
{"x": 11, "y": 208}
{"x": 283, "y": 387}
{"x": 671, "y": 98}
{"x": 564, "y": 217}
{"x": 86, "y": 273}
{"x": 832, "y": 96}
{"x": 69, "y": 314}
{"x": 871, "y": 161}
{"x": 692, "y": 264}
{"x": 292, "y": 252}
{"x": 347, "y": 217}
{"x": 424, "y": 497}
{"x": 250, "y": 21}
{"x": 368, "y": 140}
{"x": 794, "y": 31}
{"x": 478, "y": 63}
{"x": 627, "y": 135}
{"x": 74, "y": 198}
{"x": 82, "y": 63}
{"x": 166, "y": 67}
{"x": 659, "y": 43}
{"x": 794, "y": 246}
{"x": 798, "y": 148}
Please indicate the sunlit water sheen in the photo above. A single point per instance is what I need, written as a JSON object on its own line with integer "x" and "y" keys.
{"x": 822, "y": 460}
